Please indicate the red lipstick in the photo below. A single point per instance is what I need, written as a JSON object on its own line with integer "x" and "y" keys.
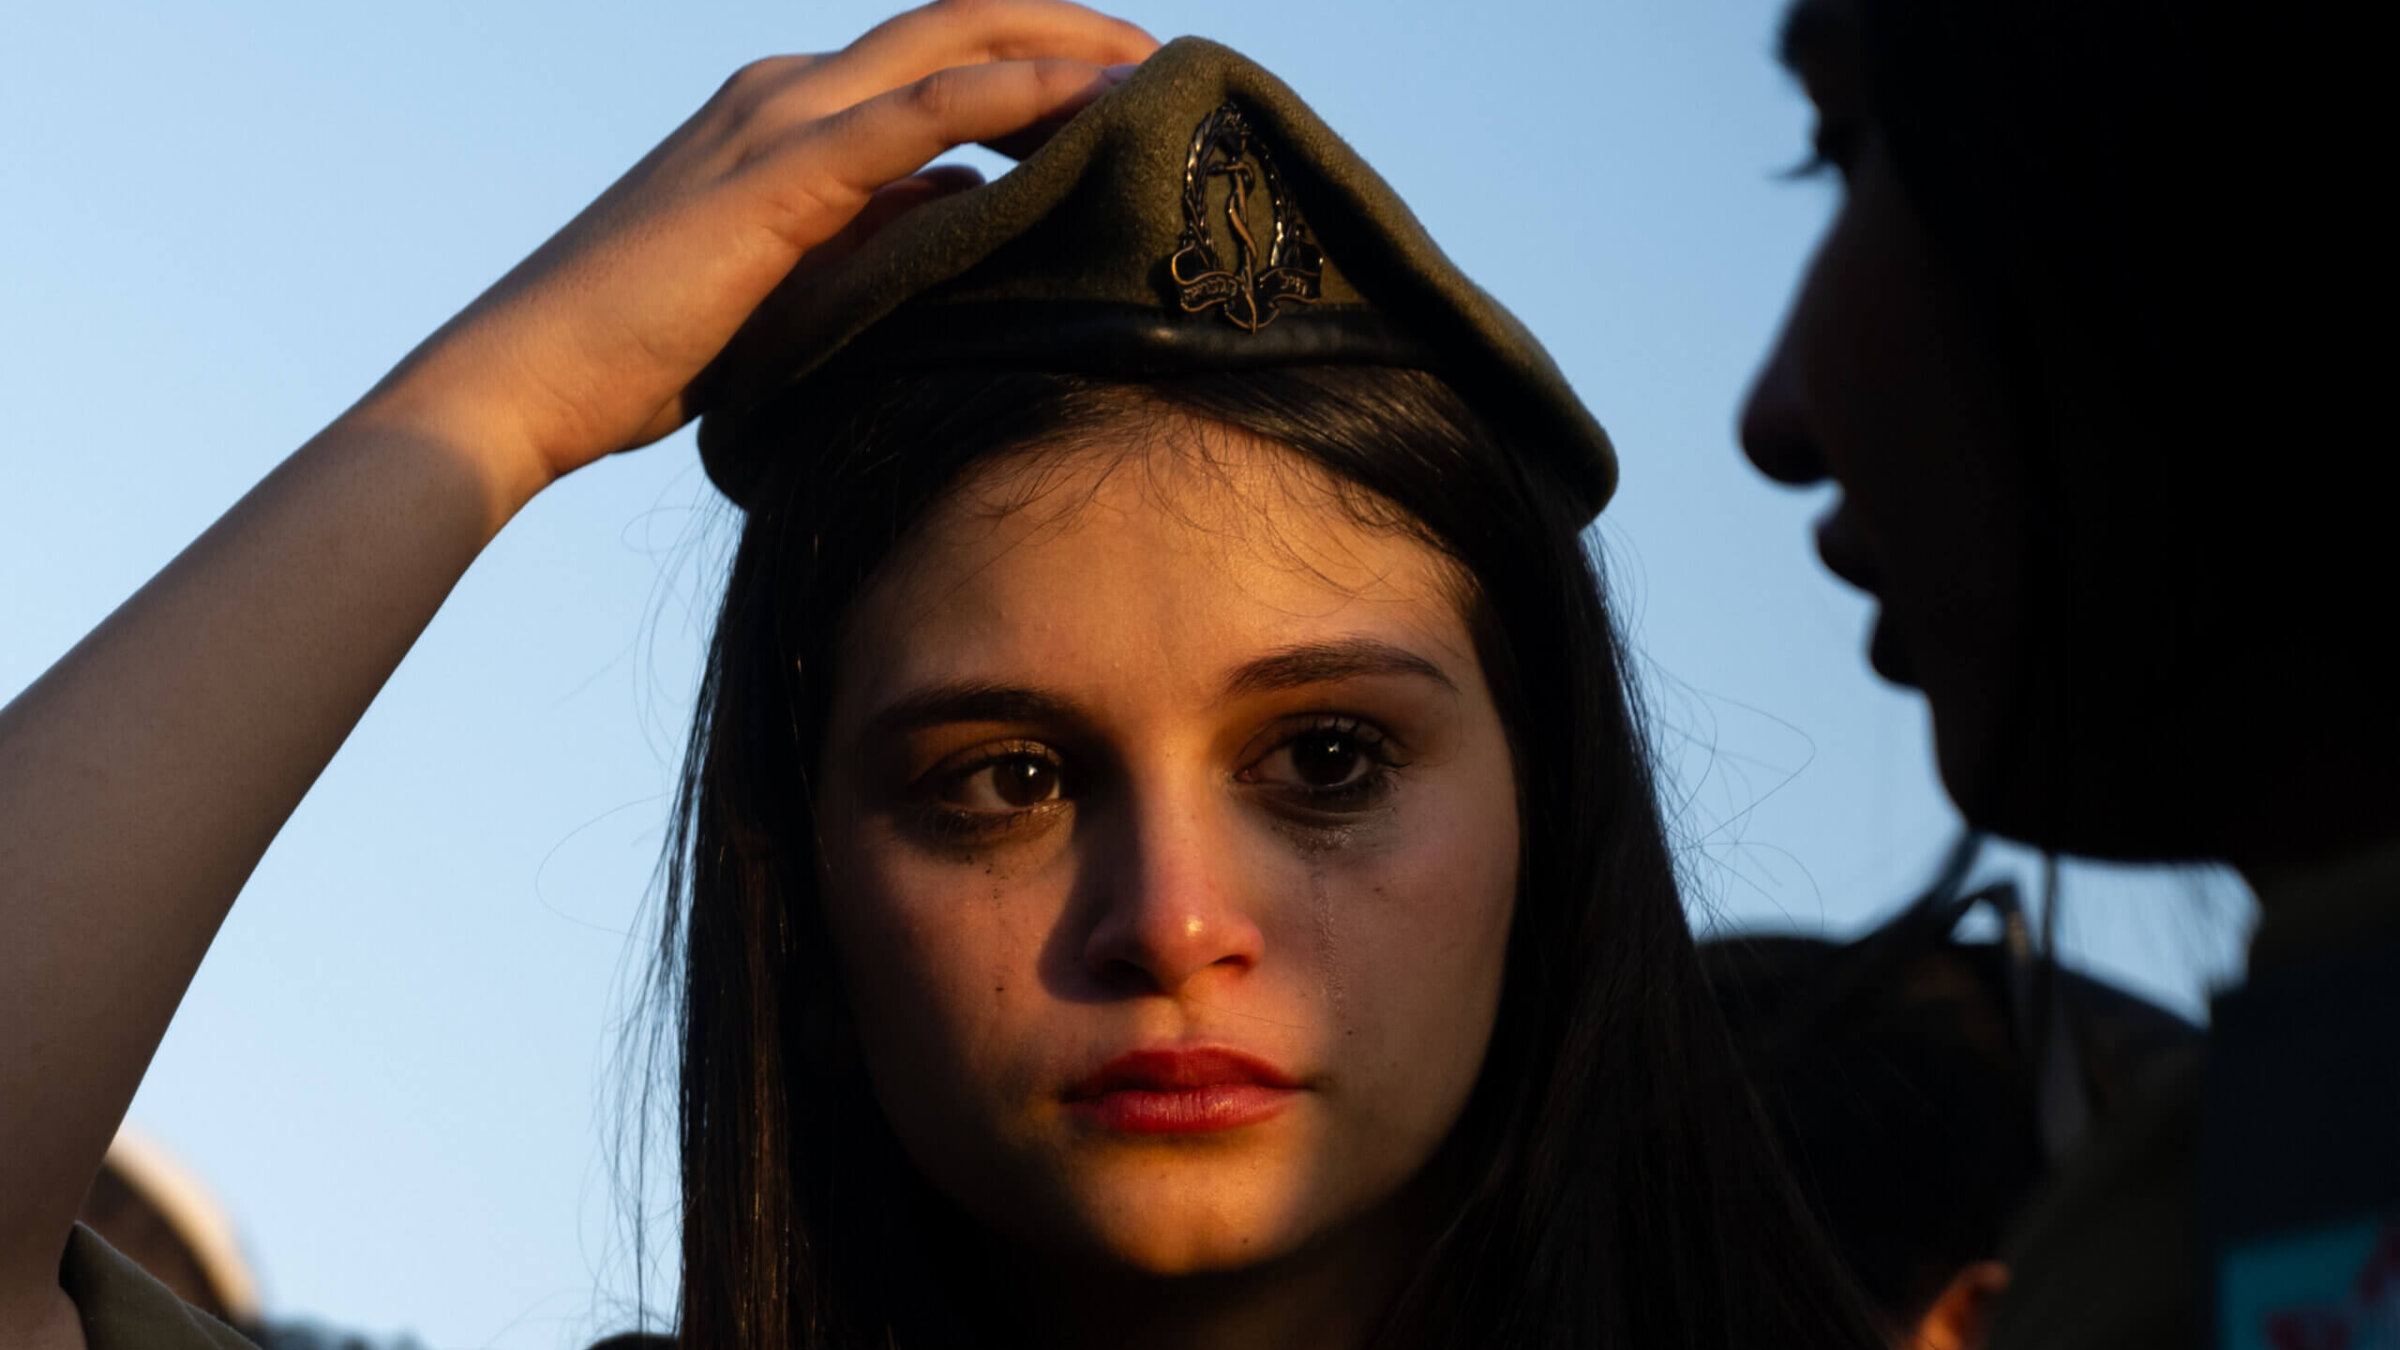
{"x": 1197, "y": 1091}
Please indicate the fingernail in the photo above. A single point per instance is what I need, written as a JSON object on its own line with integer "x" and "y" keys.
{"x": 1120, "y": 72}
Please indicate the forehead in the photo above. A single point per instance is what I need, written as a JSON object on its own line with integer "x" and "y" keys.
{"x": 1164, "y": 552}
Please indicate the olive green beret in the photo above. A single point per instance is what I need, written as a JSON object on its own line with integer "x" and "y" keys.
{"x": 1197, "y": 216}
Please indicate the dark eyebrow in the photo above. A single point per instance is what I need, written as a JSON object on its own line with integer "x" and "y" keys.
{"x": 1291, "y": 668}
{"x": 968, "y": 701}
{"x": 1326, "y": 662}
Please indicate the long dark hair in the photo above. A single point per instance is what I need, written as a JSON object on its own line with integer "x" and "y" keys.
{"x": 1610, "y": 1183}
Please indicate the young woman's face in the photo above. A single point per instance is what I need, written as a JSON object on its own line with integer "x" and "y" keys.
{"x": 1882, "y": 385}
{"x": 1171, "y": 838}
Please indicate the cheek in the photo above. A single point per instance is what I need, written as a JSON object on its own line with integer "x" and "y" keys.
{"x": 1904, "y": 397}
{"x": 1865, "y": 361}
{"x": 940, "y": 959}
{"x": 1414, "y": 939}
{"x": 1907, "y": 408}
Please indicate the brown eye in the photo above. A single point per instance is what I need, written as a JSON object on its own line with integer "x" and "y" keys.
{"x": 1006, "y": 782}
{"x": 1023, "y": 781}
{"x": 1328, "y": 758}
{"x": 1332, "y": 759}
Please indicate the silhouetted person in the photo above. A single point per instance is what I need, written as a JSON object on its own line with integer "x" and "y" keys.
{"x": 2079, "y": 352}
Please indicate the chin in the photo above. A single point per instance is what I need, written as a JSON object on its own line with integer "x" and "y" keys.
{"x": 2098, "y": 795}
{"x": 1172, "y": 1247}
{"x": 1165, "y": 1220}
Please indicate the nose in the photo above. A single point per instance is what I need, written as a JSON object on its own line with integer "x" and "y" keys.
{"x": 1174, "y": 906}
{"x": 1775, "y": 428}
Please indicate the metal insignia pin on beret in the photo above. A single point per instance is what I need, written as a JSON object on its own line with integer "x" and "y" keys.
{"x": 1227, "y": 162}
{"x": 1198, "y": 216}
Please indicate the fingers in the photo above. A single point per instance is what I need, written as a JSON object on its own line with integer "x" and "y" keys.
{"x": 1020, "y": 144}
{"x": 939, "y": 181}
{"x": 946, "y": 33}
{"x": 826, "y": 171}
{"x": 914, "y": 44}
{"x": 890, "y": 202}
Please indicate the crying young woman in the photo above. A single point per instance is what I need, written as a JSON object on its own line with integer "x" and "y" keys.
{"x": 1167, "y": 854}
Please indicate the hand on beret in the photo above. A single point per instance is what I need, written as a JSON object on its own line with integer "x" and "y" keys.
{"x": 590, "y": 345}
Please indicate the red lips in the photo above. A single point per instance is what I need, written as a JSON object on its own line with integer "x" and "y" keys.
{"x": 1195, "y": 1091}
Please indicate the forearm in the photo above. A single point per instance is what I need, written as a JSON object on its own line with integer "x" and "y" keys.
{"x": 144, "y": 774}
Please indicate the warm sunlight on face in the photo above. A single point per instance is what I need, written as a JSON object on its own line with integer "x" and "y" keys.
{"x": 1172, "y": 842}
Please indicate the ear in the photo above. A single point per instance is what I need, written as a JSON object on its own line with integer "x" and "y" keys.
{"x": 1961, "y": 1316}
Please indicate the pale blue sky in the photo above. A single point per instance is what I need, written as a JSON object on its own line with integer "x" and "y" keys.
{"x": 224, "y": 222}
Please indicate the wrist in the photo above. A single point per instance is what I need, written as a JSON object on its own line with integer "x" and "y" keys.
{"x": 479, "y": 457}
{"x": 493, "y": 458}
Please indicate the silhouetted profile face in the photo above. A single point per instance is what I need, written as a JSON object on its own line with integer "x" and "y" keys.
{"x": 2092, "y": 438}
{"x": 1172, "y": 843}
{"x": 1881, "y": 384}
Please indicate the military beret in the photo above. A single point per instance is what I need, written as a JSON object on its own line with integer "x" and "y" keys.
{"x": 1196, "y": 217}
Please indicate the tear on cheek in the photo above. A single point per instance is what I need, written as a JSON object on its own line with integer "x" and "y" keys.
{"x": 1326, "y": 940}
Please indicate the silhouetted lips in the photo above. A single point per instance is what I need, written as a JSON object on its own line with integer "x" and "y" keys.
{"x": 1845, "y": 554}
{"x": 1195, "y": 1091}
{"x": 1847, "y": 557}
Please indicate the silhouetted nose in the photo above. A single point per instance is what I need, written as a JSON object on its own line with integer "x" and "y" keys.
{"x": 1774, "y": 428}
{"x": 1175, "y": 906}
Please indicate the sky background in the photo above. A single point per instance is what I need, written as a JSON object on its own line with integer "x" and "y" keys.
{"x": 223, "y": 223}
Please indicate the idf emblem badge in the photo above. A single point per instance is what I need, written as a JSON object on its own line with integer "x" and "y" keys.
{"x": 1229, "y": 179}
